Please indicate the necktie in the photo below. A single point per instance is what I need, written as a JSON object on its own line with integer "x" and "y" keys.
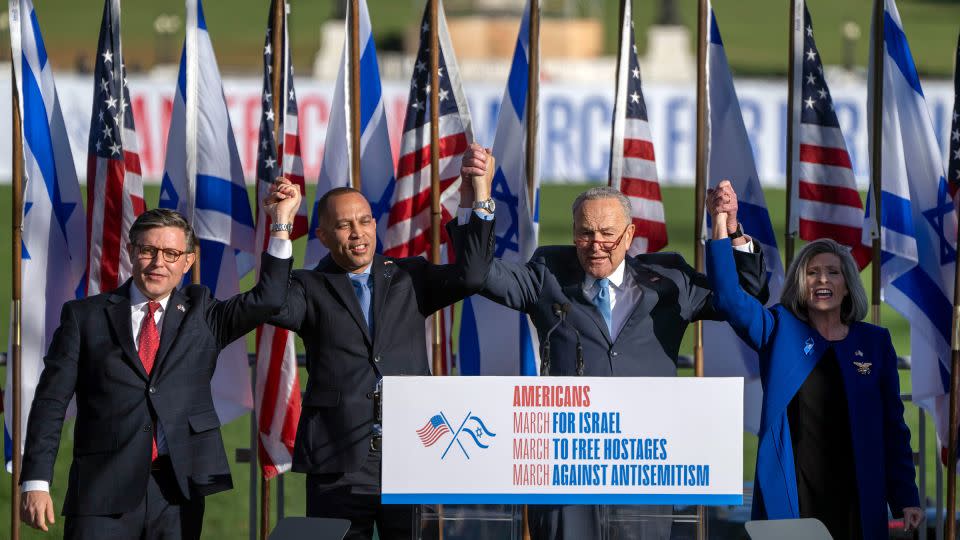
{"x": 147, "y": 345}
{"x": 361, "y": 286}
{"x": 602, "y": 301}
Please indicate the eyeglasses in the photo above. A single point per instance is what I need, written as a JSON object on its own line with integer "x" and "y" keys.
{"x": 170, "y": 255}
{"x": 584, "y": 241}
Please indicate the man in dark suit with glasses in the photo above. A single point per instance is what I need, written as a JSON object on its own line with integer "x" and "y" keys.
{"x": 628, "y": 313}
{"x": 147, "y": 445}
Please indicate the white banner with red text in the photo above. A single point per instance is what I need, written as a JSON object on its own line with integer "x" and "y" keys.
{"x": 574, "y": 133}
{"x": 562, "y": 440}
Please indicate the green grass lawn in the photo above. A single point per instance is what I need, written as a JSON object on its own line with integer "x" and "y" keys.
{"x": 754, "y": 31}
{"x": 226, "y": 515}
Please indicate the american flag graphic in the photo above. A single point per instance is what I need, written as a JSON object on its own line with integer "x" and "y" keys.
{"x": 633, "y": 167}
{"x": 409, "y": 225}
{"x": 953, "y": 162}
{"x": 431, "y": 432}
{"x": 115, "y": 189}
{"x": 277, "y": 395}
{"x": 825, "y": 198}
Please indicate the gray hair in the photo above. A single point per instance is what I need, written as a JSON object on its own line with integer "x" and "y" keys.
{"x": 162, "y": 217}
{"x": 604, "y": 192}
{"x": 854, "y": 305}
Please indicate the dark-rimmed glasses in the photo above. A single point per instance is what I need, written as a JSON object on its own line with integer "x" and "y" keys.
{"x": 584, "y": 241}
{"x": 170, "y": 255}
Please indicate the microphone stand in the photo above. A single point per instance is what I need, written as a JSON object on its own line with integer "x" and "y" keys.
{"x": 561, "y": 314}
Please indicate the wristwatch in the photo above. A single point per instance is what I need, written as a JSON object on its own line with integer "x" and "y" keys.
{"x": 489, "y": 205}
{"x": 737, "y": 233}
{"x": 281, "y": 227}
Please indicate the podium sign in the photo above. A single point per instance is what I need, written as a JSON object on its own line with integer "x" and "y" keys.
{"x": 562, "y": 440}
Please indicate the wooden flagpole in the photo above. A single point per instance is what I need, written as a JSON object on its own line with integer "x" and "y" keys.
{"x": 354, "y": 40}
{"x": 789, "y": 236}
{"x": 951, "y": 465}
{"x": 533, "y": 100}
{"x": 876, "y": 162}
{"x": 278, "y": 73}
{"x": 16, "y": 343}
{"x": 703, "y": 13}
{"x": 436, "y": 217}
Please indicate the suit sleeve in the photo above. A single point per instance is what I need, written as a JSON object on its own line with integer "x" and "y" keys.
{"x": 54, "y": 391}
{"x": 449, "y": 283}
{"x": 898, "y": 456}
{"x": 231, "y": 319}
{"x": 516, "y": 286}
{"x": 751, "y": 273}
{"x": 749, "y": 318}
{"x": 292, "y": 314}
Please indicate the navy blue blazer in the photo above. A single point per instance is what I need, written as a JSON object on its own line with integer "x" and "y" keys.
{"x": 789, "y": 349}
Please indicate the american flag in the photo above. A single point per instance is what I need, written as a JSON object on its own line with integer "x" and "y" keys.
{"x": 431, "y": 432}
{"x": 826, "y": 201}
{"x": 409, "y": 225}
{"x": 633, "y": 167}
{"x": 953, "y": 163}
{"x": 277, "y": 395}
{"x": 115, "y": 189}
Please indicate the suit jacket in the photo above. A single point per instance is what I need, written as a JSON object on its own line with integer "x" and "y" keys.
{"x": 93, "y": 355}
{"x": 673, "y": 295}
{"x": 344, "y": 360}
{"x": 789, "y": 349}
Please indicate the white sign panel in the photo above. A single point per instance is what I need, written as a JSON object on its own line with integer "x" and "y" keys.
{"x": 562, "y": 440}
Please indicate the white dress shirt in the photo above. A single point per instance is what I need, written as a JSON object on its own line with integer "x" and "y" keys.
{"x": 278, "y": 247}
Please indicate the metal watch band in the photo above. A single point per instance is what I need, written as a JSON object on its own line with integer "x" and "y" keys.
{"x": 278, "y": 227}
{"x": 737, "y": 233}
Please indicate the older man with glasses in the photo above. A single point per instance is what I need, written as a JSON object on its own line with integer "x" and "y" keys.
{"x": 628, "y": 313}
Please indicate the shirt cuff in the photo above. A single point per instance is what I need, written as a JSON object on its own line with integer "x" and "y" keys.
{"x": 463, "y": 215}
{"x": 35, "y": 485}
{"x": 280, "y": 248}
{"x": 746, "y": 248}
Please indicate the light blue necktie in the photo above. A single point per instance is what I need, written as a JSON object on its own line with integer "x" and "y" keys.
{"x": 602, "y": 301}
{"x": 361, "y": 286}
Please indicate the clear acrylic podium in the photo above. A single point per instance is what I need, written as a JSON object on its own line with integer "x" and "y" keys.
{"x": 618, "y": 522}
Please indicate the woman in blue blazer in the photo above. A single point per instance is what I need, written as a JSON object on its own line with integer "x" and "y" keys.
{"x": 832, "y": 444}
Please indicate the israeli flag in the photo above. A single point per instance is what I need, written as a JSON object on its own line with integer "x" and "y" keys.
{"x": 492, "y": 337}
{"x": 54, "y": 228}
{"x": 203, "y": 180}
{"x": 730, "y": 157}
{"x": 377, "y": 180}
{"x": 918, "y": 225}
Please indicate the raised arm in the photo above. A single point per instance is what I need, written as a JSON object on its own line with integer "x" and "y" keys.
{"x": 752, "y": 322}
{"x": 233, "y": 318}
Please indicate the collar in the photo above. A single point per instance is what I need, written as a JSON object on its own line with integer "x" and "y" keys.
{"x": 617, "y": 278}
{"x": 138, "y": 300}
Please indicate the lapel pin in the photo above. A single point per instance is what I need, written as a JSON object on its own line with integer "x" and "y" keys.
{"x": 654, "y": 279}
{"x": 808, "y": 346}
{"x": 181, "y": 309}
{"x": 858, "y": 353}
{"x": 863, "y": 368}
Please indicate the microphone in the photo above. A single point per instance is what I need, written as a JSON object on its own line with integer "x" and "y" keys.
{"x": 565, "y": 308}
{"x": 561, "y": 314}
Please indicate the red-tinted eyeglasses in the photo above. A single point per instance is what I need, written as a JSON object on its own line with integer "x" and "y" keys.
{"x": 584, "y": 241}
